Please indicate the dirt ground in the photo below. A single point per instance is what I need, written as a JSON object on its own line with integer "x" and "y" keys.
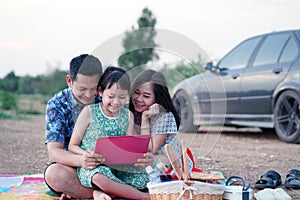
{"x": 243, "y": 152}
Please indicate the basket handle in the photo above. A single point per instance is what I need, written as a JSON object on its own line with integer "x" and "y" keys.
{"x": 174, "y": 161}
{"x": 185, "y": 165}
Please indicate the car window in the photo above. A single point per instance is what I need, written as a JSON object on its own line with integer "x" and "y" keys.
{"x": 239, "y": 56}
{"x": 290, "y": 51}
{"x": 270, "y": 50}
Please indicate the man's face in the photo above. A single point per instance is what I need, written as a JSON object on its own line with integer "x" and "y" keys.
{"x": 84, "y": 88}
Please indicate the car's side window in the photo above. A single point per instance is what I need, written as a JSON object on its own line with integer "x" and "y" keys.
{"x": 289, "y": 52}
{"x": 270, "y": 50}
{"x": 239, "y": 56}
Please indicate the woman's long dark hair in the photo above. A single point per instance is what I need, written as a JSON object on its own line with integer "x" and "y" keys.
{"x": 161, "y": 91}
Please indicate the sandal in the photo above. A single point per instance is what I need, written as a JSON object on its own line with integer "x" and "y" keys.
{"x": 292, "y": 179}
{"x": 270, "y": 179}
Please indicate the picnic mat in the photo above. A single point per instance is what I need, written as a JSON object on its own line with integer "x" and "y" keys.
{"x": 24, "y": 187}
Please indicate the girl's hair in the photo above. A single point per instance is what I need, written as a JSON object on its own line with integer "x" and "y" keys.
{"x": 113, "y": 75}
{"x": 161, "y": 91}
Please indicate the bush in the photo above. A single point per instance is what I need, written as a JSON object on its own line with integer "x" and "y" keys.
{"x": 9, "y": 100}
{"x": 5, "y": 116}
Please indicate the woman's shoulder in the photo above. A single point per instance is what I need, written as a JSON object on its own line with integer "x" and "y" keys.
{"x": 163, "y": 118}
{"x": 165, "y": 114}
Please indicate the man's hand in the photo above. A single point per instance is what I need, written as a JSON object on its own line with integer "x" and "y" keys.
{"x": 91, "y": 160}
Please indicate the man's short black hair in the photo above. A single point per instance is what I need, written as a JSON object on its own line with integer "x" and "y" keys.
{"x": 85, "y": 64}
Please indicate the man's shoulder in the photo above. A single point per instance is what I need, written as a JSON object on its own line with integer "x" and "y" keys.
{"x": 61, "y": 99}
{"x": 61, "y": 96}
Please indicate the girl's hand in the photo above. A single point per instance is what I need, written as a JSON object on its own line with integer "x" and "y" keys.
{"x": 91, "y": 160}
{"x": 145, "y": 161}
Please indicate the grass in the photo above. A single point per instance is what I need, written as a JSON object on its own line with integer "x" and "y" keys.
{"x": 30, "y": 112}
{"x": 4, "y": 115}
{"x": 27, "y": 105}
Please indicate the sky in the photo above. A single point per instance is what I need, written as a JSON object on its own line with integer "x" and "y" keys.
{"x": 39, "y": 36}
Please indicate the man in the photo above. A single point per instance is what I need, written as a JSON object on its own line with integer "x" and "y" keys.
{"x": 61, "y": 114}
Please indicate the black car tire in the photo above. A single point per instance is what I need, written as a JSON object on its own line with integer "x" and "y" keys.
{"x": 287, "y": 116}
{"x": 184, "y": 109}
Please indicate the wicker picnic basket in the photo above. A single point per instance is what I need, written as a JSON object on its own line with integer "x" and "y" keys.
{"x": 184, "y": 188}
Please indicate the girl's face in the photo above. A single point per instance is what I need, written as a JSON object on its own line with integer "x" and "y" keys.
{"x": 113, "y": 99}
{"x": 143, "y": 97}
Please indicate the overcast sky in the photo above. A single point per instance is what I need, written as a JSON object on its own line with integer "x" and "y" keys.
{"x": 37, "y": 35}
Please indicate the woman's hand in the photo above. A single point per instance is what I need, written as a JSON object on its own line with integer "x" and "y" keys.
{"x": 145, "y": 161}
{"x": 154, "y": 109}
{"x": 91, "y": 160}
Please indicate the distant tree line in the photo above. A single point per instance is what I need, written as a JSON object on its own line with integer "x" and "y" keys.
{"x": 40, "y": 84}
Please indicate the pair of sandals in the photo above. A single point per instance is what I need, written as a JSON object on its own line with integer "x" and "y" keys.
{"x": 272, "y": 179}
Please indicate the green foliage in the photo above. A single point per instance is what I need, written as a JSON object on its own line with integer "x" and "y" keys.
{"x": 26, "y": 85}
{"x": 40, "y": 84}
{"x": 5, "y": 116}
{"x": 30, "y": 104}
{"x": 55, "y": 82}
{"x": 10, "y": 82}
{"x": 9, "y": 101}
{"x": 139, "y": 43}
{"x": 183, "y": 70}
{"x": 31, "y": 112}
{"x": 10, "y": 108}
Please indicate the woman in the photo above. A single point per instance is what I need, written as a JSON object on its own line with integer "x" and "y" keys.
{"x": 155, "y": 114}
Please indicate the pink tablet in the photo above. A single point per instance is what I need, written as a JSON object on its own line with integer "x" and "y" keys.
{"x": 122, "y": 149}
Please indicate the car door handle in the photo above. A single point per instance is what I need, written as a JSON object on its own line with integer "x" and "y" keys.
{"x": 235, "y": 76}
{"x": 277, "y": 70}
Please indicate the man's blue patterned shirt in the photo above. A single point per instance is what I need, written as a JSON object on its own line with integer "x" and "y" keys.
{"x": 61, "y": 114}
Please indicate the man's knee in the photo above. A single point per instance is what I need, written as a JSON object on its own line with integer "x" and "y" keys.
{"x": 56, "y": 175}
{"x": 53, "y": 172}
{"x": 64, "y": 179}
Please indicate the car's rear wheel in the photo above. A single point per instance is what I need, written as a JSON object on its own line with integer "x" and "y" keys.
{"x": 183, "y": 107}
{"x": 287, "y": 117}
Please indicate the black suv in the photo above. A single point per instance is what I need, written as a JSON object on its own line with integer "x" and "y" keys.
{"x": 257, "y": 84}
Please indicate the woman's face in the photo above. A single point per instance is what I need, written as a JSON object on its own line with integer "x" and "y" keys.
{"x": 143, "y": 97}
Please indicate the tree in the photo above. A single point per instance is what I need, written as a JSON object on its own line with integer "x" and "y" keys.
{"x": 139, "y": 43}
{"x": 183, "y": 70}
{"x": 54, "y": 82}
{"x": 10, "y": 82}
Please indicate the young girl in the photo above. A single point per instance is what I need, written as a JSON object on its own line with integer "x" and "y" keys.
{"x": 108, "y": 118}
{"x": 155, "y": 114}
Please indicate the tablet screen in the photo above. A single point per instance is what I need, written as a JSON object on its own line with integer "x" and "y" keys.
{"x": 122, "y": 149}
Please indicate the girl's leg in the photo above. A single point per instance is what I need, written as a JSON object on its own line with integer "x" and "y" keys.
{"x": 98, "y": 195}
{"x": 118, "y": 189}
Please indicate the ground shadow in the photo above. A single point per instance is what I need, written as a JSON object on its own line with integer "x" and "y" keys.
{"x": 240, "y": 132}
